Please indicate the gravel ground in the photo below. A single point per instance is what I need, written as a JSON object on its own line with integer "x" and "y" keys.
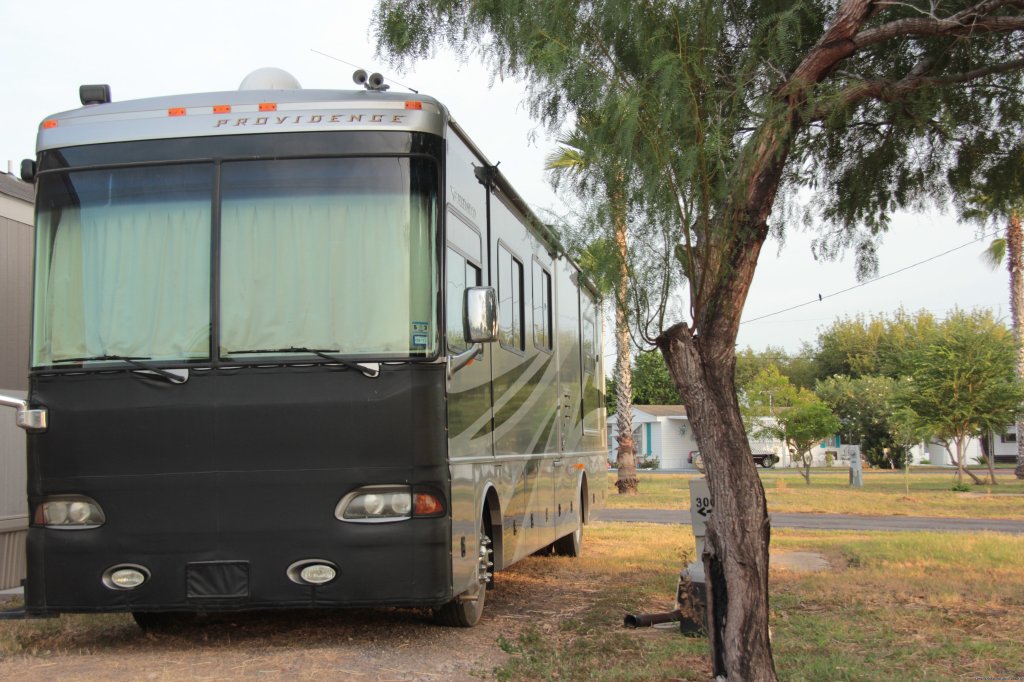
{"x": 380, "y": 644}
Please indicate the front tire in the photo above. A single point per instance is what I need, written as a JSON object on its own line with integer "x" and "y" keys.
{"x": 467, "y": 608}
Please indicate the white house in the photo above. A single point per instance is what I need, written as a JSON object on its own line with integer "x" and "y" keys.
{"x": 662, "y": 433}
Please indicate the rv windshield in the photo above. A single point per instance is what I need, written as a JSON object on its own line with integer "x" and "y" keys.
{"x": 328, "y": 253}
{"x": 319, "y": 253}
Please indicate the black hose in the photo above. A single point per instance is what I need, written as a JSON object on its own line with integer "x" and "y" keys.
{"x": 646, "y": 620}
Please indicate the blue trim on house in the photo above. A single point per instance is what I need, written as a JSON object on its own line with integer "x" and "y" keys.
{"x": 647, "y": 437}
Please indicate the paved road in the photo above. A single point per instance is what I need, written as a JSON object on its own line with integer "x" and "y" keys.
{"x": 829, "y": 521}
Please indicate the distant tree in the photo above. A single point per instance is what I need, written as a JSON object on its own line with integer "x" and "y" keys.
{"x": 849, "y": 347}
{"x": 865, "y": 408}
{"x": 749, "y": 364}
{"x": 805, "y": 424}
{"x": 801, "y": 368}
{"x": 964, "y": 383}
{"x": 764, "y": 395}
{"x": 652, "y": 384}
{"x": 776, "y": 409}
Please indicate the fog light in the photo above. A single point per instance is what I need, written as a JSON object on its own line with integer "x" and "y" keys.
{"x": 318, "y": 574}
{"x": 312, "y": 572}
{"x": 125, "y": 577}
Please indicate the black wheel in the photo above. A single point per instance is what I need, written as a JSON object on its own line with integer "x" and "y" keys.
{"x": 571, "y": 544}
{"x": 466, "y": 609}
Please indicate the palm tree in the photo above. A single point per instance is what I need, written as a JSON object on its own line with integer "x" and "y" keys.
{"x": 569, "y": 160}
{"x": 1009, "y": 249}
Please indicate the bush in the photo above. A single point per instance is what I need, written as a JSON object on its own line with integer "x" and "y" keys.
{"x": 961, "y": 487}
{"x": 649, "y": 463}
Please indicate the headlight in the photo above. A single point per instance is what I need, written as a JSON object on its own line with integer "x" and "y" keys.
{"x": 384, "y": 503}
{"x": 376, "y": 503}
{"x": 69, "y": 512}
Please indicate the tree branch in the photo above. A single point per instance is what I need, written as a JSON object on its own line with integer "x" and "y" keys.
{"x": 889, "y": 91}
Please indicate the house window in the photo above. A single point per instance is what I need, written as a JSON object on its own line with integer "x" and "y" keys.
{"x": 1010, "y": 437}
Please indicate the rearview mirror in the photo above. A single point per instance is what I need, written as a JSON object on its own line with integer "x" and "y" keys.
{"x": 480, "y": 315}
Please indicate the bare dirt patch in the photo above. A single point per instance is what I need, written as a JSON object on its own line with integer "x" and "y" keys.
{"x": 364, "y": 644}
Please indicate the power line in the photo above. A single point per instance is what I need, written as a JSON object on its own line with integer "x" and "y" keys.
{"x": 872, "y": 281}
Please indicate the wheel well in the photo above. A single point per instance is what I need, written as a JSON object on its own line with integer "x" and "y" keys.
{"x": 492, "y": 517}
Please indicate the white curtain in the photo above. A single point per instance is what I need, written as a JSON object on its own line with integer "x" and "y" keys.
{"x": 347, "y": 272}
{"x": 125, "y": 279}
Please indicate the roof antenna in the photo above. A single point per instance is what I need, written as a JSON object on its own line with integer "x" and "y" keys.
{"x": 401, "y": 85}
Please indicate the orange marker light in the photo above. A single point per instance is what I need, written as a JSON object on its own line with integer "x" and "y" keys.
{"x": 268, "y": 106}
{"x": 222, "y": 108}
{"x": 580, "y": 466}
{"x": 50, "y": 124}
{"x": 426, "y": 505}
{"x": 176, "y": 111}
{"x": 413, "y": 104}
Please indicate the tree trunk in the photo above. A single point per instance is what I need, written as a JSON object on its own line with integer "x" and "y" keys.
{"x": 961, "y": 466}
{"x": 738, "y": 532}
{"x": 625, "y": 458}
{"x": 1015, "y": 263}
{"x": 988, "y": 452}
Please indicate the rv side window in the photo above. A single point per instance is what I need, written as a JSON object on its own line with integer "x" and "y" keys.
{"x": 461, "y": 275}
{"x": 541, "y": 308}
{"x": 510, "y": 300}
{"x": 592, "y": 399}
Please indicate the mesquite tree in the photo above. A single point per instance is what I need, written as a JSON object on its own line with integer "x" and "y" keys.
{"x": 717, "y": 109}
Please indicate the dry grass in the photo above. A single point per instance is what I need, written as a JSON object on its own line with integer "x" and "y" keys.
{"x": 883, "y": 494}
{"x": 894, "y": 606}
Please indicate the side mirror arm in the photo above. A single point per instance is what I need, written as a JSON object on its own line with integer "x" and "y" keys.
{"x": 460, "y": 360}
{"x": 25, "y": 418}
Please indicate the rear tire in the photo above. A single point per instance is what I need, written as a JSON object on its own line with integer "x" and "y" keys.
{"x": 571, "y": 544}
{"x": 467, "y": 608}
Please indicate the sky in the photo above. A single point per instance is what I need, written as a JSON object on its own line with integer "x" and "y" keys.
{"x": 144, "y": 49}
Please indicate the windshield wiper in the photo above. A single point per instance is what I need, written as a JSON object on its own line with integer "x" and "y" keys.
{"x": 369, "y": 369}
{"x": 135, "y": 361}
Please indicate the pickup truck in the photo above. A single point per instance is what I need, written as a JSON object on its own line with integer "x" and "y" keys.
{"x": 766, "y": 460}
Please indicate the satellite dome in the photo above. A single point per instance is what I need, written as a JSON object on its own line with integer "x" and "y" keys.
{"x": 270, "y": 78}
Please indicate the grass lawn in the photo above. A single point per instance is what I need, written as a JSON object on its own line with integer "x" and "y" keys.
{"x": 894, "y": 606}
{"x": 883, "y": 494}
